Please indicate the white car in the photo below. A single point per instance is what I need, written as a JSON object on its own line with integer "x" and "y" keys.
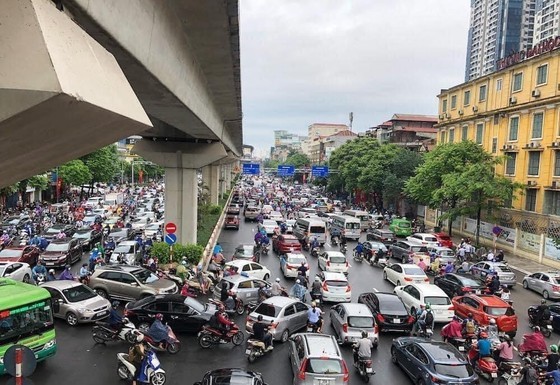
{"x": 425, "y": 239}
{"x": 290, "y": 262}
{"x": 153, "y": 228}
{"x": 18, "y": 271}
{"x": 140, "y": 223}
{"x": 269, "y": 225}
{"x": 335, "y": 287}
{"x": 250, "y": 268}
{"x": 333, "y": 261}
{"x": 426, "y": 293}
{"x": 276, "y": 216}
{"x": 290, "y": 223}
{"x": 403, "y": 273}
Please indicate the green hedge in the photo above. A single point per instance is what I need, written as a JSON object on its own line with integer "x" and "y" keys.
{"x": 193, "y": 253}
{"x": 208, "y": 216}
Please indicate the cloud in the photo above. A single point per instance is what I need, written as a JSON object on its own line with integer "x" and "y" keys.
{"x": 306, "y": 61}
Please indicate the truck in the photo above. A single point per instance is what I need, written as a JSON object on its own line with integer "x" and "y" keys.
{"x": 113, "y": 200}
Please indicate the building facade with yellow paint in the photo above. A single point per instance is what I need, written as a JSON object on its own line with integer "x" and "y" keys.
{"x": 514, "y": 112}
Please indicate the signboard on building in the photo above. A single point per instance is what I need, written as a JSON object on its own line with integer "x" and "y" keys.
{"x": 285, "y": 170}
{"x": 251, "y": 168}
{"x": 320, "y": 171}
{"x": 519, "y": 56}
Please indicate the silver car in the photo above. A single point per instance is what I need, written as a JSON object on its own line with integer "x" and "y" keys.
{"x": 246, "y": 288}
{"x": 546, "y": 283}
{"x": 286, "y": 316}
{"x": 77, "y": 303}
{"x": 348, "y": 320}
{"x": 484, "y": 268}
{"x": 444, "y": 253}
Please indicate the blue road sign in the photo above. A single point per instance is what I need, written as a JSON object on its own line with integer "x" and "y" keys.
{"x": 320, "y": 171}
{"x": 170, "y": 239}
{"x": 285, "y": 170}
{"x": 251, "y": 168}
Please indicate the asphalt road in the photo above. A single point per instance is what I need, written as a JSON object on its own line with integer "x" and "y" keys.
{"x": 80, "y": 360}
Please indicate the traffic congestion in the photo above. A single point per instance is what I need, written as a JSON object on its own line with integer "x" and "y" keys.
{"x": 301, "y": 288}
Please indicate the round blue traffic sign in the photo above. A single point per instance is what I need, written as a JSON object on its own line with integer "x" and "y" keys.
{"x": 170, "y": 239}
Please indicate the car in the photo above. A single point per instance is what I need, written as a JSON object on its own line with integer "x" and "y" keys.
{"x": 387, "y": 237}
{"x": 401, "y": 227}
{"x": 183, "y": 314}
{"x": 403, "y": 250}
{"x": 505, "y": 274}
{"x": 371, "y": 247}
{"x": 399, "y": 273}
{"x": 250, "y": 268}
{"x": 316, "y": 359}
{"x": 445, "y": 254}
{"x": 126, "y": 252}
{"x": 414, "y": 295}
{"x": 348, "y": 320}
{"x": 290, "y": 223}
{"x": 27, "y": 254}
{"x": 140, "y": 223}
{"x": 335, "y": 287}
{"x": 290, "y": 262}
{"x": 546, "y": 283}
{"x": 444, "y": 240}
{"x": 269, "y": 226}
{"x": 76, "y": 303}
{"x": 555, "y": 313}
{"x": 128, "y": 283}
{"x": 18, "y": 271}
{"x": 251, "y": 213}
{"x": 389, "y": 311}
{"x": 244, "y": 251}
{"x": 236, "y": 376}
{"x": 246, "y": 288}
{"x": 484, "y": 307}
{"x": 424, "y": 239}
{"x": 154, "y": 229}
{"x": 87, "y": 238}
{"x": 89, "y": 220}
{"x": 333, "y": 261}
{"x": 231, "y": 222}
{"x": 276, "y": 216}
{"x": 285, "y": 316}
{"x": 454, "y": 284}
{"x": 432, "y": 362}
{"x": 233, "y": 209}
{"x": 54, "y": 230}
{"x": 120, "y": 235}
{"x": 285, "y": 243}
{"x": 62, "y": 252}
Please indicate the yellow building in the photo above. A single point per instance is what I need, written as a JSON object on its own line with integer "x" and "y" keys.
{"x": 514, "y": 112}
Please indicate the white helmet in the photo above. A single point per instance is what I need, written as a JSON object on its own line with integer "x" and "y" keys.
{"x": 139, "y": 337}
{"x": 492, "y": 321}
{"x": 277, "y": 279}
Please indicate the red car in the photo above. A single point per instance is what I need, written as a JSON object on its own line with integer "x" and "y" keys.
{"x": 485, "y": 307}
{"x": 27, "y": 254}
{"x": 444, "y": 240}
{"x": 231, "y": 222}
{"x": 285, "y": 244}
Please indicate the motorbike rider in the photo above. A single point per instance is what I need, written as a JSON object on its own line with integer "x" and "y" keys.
{"x": 529, "y": 375}
{"x": 136, "y": 355}
{"x": 555, "y": 374}
{"x": 38, "y": 269}
{"x": 51, "y": 276}
{"x": 84, "y": 273}
{"x": 66, "y": 274}
{"x": 115, "y": 319}
{"x": 5, "y": 238}
{"x": 217, "y": 249}
{"x": 494, "y": 284}
{"x": 492, "y": 330}
{"x": 362, "y": 349}
{"x": 422, "y": 264}
{"x": 315, "y": 316}
{"x": 379, "y": 254}
{"x": 224, "y": 323}
{"x": 335, "y": 235}
{"x": 552, "y": 359}
{"x": 298, "y": 291}
{"x": 542, "y": 314}
{"x": 260, "y": 332}
{"x": 230, "y": 302}
{"x": 449, "y": 267}
{"x": 420, "y": 319}
{"x": 469, "y": 325}
{"x": 483, "y": 348}
{"x": 181, "y": 270}
{"x": 276, "y": 288}
{"x": 452, "y": 330}
{"x": 314, "y": 243}
{"x": 158, "y": 331}
{"x": 359, "y": 249}
{"x": 302, "y": 269}
{"x": 533, "y": 342}
{"x": 316, "y": 289}
{"x": 504, "y": 351}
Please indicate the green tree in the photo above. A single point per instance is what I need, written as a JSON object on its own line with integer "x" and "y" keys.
{"x": 297, "y": 159}
{"x": 103, "y": 164}
{"x": 39, "y": 182}
{"x": 75, "y": 173}
{"x": 271, "y": 163}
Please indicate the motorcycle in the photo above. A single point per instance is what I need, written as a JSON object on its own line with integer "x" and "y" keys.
{"x": 335, "y": 240}
{"x": 358, "y": 257}
{"x": 545, "y": 325}
{"x": 510, "y": 373}
{"x": 238, "y": 308}
{"x": 425, "y": 332}
{"x": 209, "y": 336}
{"x": 265, "y": 249}
{"x": 365, "y": 368}
{"x": 255, "y": 349}
{"x": 315, "y": 252}
{"x": 313, "y": 328}
{"x": 485, "y": 366}
{"x": 102, "y": 332}
{"x": 343, "y": 248}
{"x": 171, "y": 345}
{"x": 153, "y": 372}
{"x": 459, "y": 343}
{"x": 40, "y": 279}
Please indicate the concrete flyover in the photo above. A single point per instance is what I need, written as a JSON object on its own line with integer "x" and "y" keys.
{"x": 166, "y": 70}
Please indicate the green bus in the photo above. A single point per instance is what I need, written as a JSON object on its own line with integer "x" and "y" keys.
{"x": 26, "y": 318}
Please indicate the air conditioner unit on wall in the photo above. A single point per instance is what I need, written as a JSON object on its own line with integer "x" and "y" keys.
{"x": 536, "y": 93}
{"x": 475, "y": 109}
{"x": 532, "y": 183}
{"x": 555, "y": 144}
{"x": 460, "y": 112}
{"x": 554, "y": 184}
{"x": 512, "y": 100}
{"x": 510, "y": 147}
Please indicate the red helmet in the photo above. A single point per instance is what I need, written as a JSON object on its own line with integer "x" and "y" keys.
{"x": 483, "y": 335}
{"x": 159, "y": 316}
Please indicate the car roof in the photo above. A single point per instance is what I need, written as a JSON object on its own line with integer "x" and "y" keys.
{"x": 439, "y": 248}
{"x": 237, "y": 278}
{"x": 490, "y": 300}
{"x": 356, "y": 309}
{"x": 441, "y": 352}
{"x": 125, "y": 268}
{"x": 334, "y": 253}
{"x": 61, "y": 284}
{"x": 382, "y": 295}
{"x": 428, "y": 289}
{"x": 240, "y": 262}
{"x": 403, "y": 265}
{"x": 321, "y": 344}
{"x": 288, "y": 236}
{"x": 332, "y": 276}
{"x": 424, "y": 235}
{"x": 280, "y": 301}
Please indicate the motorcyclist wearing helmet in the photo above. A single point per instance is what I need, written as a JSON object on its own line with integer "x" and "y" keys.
{"x": 66, "y": 274}
{"x": 260, "y": 332}
{"x": 158, "y": 331}
{"x": 469, "y": 325}
{"x": 542, "y": 314}
{"x": 276, "y": 288}
{"x": 115, "y": 319}
{"x": 181, "y": 269}
{"x": 492, "y": 330}
{"x": 528, "y": 372}
{"x": 553, "y": 358}
{"x": 51, "y": 276}
{"x": 38, "y": 269}
{"x": 136, "y": 355}
{"x": 314, "y": 316}
{"x": 224, "y": 323}
{"x": 316, "y": 289}
{"x": 362, "y": 349}
{"x": 84, "y": 273}
{"x": 452, "y": 330}
{"x": 504, "y": 351}
{"x": 533, "y": 342}
{"x": 483, "y": 348}
{"x": 359, "y": 249}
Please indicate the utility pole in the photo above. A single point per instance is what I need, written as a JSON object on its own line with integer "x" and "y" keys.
{"x": 351, "y": 120}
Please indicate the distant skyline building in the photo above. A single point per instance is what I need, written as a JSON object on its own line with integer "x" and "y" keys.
{"x": 546, "y": 19}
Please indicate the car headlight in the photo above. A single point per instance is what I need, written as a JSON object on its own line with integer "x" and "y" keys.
{"x": 50, "y": 344}
{"x": 84, "y": 310}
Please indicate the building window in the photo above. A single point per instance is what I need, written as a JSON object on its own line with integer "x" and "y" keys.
{"x": 530, "y": 199}
{"x": 534, "y": 163}
{"x": 467, "y": 98}
{"x": 444, "y": 106}
{"x": 510, "y": 163}
{"x": 482, "y": 93}
{"x": 494, "y": 145}
{"x": 479, "y": 131}
{"x": 551, "y": 202}
{"x": 542, "y": 74}
{"x": 537, "y": 125}
{"x": 453, "y": 102}
{"x": 451, "y": 135}
{"x": 465, "y": 133}
{"x": 513, "y": 128}
{"x": 442, "y": 137}
{"x": 556, "y": 163}
{"x": 517, "y": 82}
{"x": 498, "y": 84}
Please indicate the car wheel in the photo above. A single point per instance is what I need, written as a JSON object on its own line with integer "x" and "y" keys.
{"x": 26, "y": 278}
{"x": 102, "y": 293}
{"x": 545, "y": 294}
{"x": 394, "y": 358}
{"x": 144, "y": 327}
{"x": 420, "y": 382}
{"x": 385, "y": 275}
{"x": 71, "y": 319}
{"x": 266, "y": 277}
{"x": 525, "y": 285}
{"x": 285, "y": 335}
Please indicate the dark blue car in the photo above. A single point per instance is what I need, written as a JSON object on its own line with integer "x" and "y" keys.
{"x": 431, "y": 362}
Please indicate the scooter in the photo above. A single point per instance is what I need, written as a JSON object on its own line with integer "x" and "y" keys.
{"x": 485, "y": 366}
{"x": 358, "y": 257}
{"x": 171, "y": 345}
{"x": 343, "y": 248}
{"x": 40, "y": 279}
{"x": 315, "y": 252}
{"x": 510, "y": 373}
{"x": 255, "y": 349}
{"x": 381, "y": 262}
{"x": 209, "y": 336}
{"x": 545, "y": 325}
{"x": 153, "y": 373}
{"x": 335, "y": 240}
{"x": 102, "y": 332}
{"x": 364, "y": 367}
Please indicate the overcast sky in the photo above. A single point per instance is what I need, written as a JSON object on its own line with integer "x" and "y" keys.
{"x": 307, "y": 61}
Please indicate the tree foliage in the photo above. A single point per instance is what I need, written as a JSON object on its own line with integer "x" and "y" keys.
{"x": 297, "y": 159}
{"x": 75, "y": 173}
{"x": 103, "y": 164}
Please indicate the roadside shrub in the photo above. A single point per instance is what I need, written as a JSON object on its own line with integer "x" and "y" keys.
{"x": 193, "y": 253}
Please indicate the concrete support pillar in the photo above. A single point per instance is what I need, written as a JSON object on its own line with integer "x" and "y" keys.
{"x": 211, "y": 178}
{"x": 222, "y": 180}
{"x": 228, "y": 176}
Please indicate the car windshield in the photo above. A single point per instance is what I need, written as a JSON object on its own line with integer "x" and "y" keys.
{"x": 127, "y": 249}
{"x": 389, "y": 306}
{"x": 58, "y": 247}
{"x": 446, "y": 253}
{"x": 455, "y": 371}
{"x": 294, "y": 260}
{"x": 437, "y": 300}
{"x": 267, "y": 309}
{"x": 504, "y": 268}
{"x": 467, "y": 281}
{"x": 291, "y": 241}
{"x": 145, "y": 276}
{"x": 337, "y": 283}
{"x": 78, "y": 293}
{"x": 337, "y": 259}
{"x": 119, "y": 234}
{"x": 323, "y": 366}
{"x": 360, "y": 322}
{"x": 498, "y": 311}
{"x": 413, "y": 271}
{"x": 7, "y": 253}
{"x": 82, "y": 235}
{"x": 316, "y": 229}
{"x": 404, "y": 225}
{"x": 430, "y": 239}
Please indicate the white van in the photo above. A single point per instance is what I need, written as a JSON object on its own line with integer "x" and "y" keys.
{"x": 363, "y": 216}
{"x": 349, "y": 227}
{"x": 315, "y": 227}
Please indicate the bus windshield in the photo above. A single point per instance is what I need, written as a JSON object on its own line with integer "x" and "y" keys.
{"x": 24, "y": 321}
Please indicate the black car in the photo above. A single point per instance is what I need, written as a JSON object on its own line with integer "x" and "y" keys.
{"x": 121, "y": 235}
{"x": 52, "y": 232}
{"x": 235, "y": 376}
{"x": 87, "y": 238}
{"x": 431, "y": 362}
{"x": 454, "y": 284}
{"x": 182, "y": 314}
{"x": 388, "y": 310}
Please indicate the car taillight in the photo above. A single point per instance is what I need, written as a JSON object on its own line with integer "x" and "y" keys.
{"x": 345, "y": 328}
{"x": 408, "y": 279}
{"x": 348, "y": 288}
{"x": 325, "y": 287}
{"x": 346, "y": 377}
{"x": 436, "y": 380}
{"x": 301, "y": 373}
{"x": 380, "y": 318}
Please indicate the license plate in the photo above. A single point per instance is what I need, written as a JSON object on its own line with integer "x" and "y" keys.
{"x": 461, "y": 348}
{"x": 477, "y": 292}
{"x": 549, "y": 327}
{"x": 248, "y": 351}
{"x": 494, "y": 375}
{"x": 369, "y": 370}
{"x": 396, "y": 320}
{"x": 324, "y": 381}
{"x": 438, "y": 311}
